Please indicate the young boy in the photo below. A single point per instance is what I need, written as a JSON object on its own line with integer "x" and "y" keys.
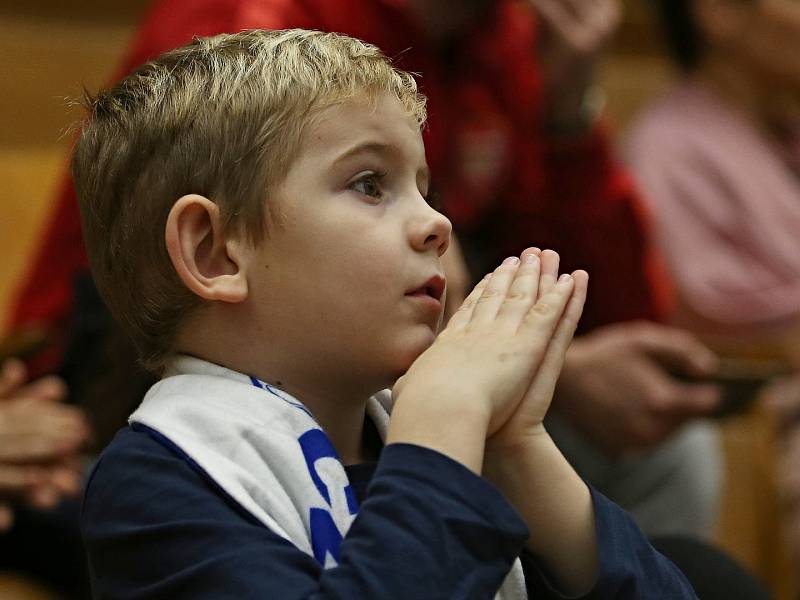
{"x": 254, "y": 207}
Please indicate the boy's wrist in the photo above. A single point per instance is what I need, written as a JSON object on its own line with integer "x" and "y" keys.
{"x": 514, "y": 443}
{"x": 506, "y": 454}
{"x": 553, "y": 501}
{"x": 455, "y": 428}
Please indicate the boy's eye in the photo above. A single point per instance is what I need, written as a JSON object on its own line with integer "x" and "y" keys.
{"x": 369, "y": 185}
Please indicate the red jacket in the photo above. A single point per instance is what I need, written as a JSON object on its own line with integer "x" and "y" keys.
{"x": 500, "y": 179}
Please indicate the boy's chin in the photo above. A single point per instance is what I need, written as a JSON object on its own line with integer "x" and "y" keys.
{"x": 411, "y": 351}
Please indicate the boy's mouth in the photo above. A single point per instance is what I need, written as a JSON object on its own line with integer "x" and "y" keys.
{"x": 433, "y": 287}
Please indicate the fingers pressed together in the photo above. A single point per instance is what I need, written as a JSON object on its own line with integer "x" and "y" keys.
{"x": 517, "y": 292}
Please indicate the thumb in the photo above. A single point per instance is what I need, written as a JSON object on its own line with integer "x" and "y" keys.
{"x": 12, "y": 375}
{"x": 782, "y": 397}
{"x": 677, "y": 350}
{"x": 50, "y": 388}
{"x": 674, "y": 399}
{"x": 697, "y": 399}
{"x": 6, "y": 517}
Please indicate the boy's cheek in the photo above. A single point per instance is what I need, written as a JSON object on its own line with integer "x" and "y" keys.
{"x": 405, "y": 354}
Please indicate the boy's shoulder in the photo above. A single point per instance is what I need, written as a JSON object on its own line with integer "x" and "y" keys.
{"x": 155, "y": 526}
{"x": 134, "y": 466}
{"x": 141, "y": 465}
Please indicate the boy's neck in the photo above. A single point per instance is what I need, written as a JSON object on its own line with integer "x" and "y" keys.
{"x": 337, "y": 406}
{"x": 340, "y": 417}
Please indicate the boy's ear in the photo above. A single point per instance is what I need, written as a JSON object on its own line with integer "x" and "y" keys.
{"x": 210, "y": 265}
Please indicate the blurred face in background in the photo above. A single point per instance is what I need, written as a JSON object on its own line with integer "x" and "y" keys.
{"x": 761, "y": 36}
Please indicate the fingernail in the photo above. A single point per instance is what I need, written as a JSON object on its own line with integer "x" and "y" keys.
{"x": 511, "y": 260}
{"x": 565, "y": 278}
{"x": 530, "y": 259}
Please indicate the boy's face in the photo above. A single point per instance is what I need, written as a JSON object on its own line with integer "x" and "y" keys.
{"x": 348, "y": 282}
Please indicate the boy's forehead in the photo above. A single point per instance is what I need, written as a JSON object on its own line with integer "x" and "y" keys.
{"x": 366, "y": 122}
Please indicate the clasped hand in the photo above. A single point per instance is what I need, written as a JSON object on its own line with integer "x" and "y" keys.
{"x": 496, "y": 363}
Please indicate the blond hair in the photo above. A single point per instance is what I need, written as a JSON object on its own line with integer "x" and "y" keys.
{"x": 222, "y": 117}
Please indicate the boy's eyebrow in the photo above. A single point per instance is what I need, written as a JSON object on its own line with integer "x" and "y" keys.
{"x": 377, "y": 148}
{"x": 366, "y": 147}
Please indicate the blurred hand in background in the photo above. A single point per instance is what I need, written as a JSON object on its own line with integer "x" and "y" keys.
{"x": 40, "y": 441}
{"x": 623, "y": 385}
{"x": 572, "y": 36}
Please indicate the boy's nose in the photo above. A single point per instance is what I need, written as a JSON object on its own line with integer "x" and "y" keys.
{"x": 432, "y": 231}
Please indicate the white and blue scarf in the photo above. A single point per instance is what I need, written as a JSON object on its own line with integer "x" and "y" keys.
{"x": 266, "y": 451}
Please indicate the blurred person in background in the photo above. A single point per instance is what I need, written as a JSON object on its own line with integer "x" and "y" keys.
{"x": 718, "y": 158}
{"x": 516, "y": 146}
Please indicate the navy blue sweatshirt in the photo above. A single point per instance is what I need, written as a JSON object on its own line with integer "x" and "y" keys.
{"x": 157, "y": 526}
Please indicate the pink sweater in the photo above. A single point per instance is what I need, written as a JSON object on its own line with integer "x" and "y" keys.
{"x": 726, "y": 202}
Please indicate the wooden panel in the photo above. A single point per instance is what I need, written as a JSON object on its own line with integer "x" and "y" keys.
{"x": 46, "y": 60}
{"x": 630, "y": 83}
{"x": 119, "y": 11}
{"x": 751, "y": 522}
{"x": 29, "y": 176}
{"x": 639, "y": 33}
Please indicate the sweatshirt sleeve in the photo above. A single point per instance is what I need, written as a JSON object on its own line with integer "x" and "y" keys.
{"x": 155, "y": 527}
{"x": 629, "y": 566}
